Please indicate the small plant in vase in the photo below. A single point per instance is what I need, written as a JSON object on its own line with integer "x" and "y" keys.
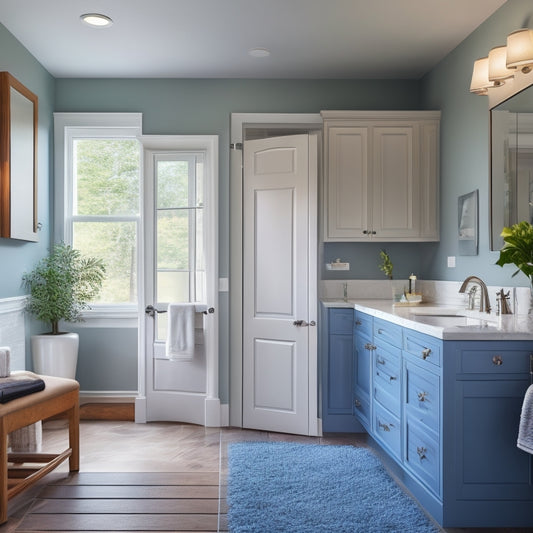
{"x": 518, "y": 250}
{"x": 386, "y": 264}
{"x": 60, "y": 287}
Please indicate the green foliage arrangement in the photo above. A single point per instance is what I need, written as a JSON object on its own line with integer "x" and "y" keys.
{"x": 386, "y": 263}
{"x": 518, "y": 248}
{"x": 62, "y": 284}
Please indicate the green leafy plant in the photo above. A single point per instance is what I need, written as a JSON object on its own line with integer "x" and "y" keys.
{"x": 518, "y": 248}
{"x": 386, "y": 263}
{"x": 62, "y": 284}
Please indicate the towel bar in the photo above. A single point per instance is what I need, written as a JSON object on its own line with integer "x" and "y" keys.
{"x": 151, "y": 310}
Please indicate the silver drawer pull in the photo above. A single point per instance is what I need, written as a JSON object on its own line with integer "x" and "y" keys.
{"x": 392, "y": 378}
{"x": 369, "y": 346}
{"x": 380, "y": 331}
{"x": 425, "y": 353}
{"x": 357, "y": 403}
{"x": 421, "y": 451}
{"x": 385, "y": 427}
{"x": 497, "y": 360}
{"x": 358, "y": 322}
{"x": 380, "y": 361}
{"x": 422, "y": 396}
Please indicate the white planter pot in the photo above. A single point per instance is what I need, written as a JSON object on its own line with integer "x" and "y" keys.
{"x": 55, "y": 355}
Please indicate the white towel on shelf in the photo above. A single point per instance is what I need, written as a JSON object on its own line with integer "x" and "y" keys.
{"x": 525, "y": 431}
{"x": 180, "y": 331}
{"x": 5, "y": 356}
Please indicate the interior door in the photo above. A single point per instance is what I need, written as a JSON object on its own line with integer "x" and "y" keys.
{"x": 175, "y": 272}
{"x": 279, "y": 292}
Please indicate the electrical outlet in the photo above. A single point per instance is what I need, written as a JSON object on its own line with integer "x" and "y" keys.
{"x": 451, "y": 261}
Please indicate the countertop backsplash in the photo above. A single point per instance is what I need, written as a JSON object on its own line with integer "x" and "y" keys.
{"x": 438, "y": 292}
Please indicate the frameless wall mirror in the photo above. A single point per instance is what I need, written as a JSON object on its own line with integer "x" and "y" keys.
{"x": 18, "y": 160}
{"x": 511, "y": 185}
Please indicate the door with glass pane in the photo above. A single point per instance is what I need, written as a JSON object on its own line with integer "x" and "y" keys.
{"x": 175, "y": 272}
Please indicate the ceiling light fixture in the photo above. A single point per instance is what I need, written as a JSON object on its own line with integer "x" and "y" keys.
{"x": 259, "y": 52}
{"x": 96, "y": 20}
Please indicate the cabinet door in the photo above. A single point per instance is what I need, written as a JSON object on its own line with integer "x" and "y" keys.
{"x": 363, "y": 372}
{"x": 489, "y": 465}
{"x": 346, "y": 192}
{"x": 395, "y": 195}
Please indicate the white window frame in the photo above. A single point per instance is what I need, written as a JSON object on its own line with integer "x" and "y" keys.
{"x": 94, "y": 125}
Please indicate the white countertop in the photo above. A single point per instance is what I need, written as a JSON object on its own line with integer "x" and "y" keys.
{"x": 443, "y": 321}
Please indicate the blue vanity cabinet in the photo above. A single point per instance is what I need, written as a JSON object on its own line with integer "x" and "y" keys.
{"x": 362, "y": 342}
{"x": 488, "y": 473}
{"x": 338, "y": 373}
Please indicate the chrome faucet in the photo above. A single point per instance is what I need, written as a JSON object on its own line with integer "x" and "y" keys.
{"x": 484, "y": 300}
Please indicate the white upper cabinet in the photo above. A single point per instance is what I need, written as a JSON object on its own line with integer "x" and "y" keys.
{"x": 381, "y": 175}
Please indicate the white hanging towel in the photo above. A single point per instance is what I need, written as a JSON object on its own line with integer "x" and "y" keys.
{"x": 180, "y": 331}
{"x": 525, "y": 431}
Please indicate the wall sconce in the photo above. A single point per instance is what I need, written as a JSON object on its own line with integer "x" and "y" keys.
{"x": 520, "y": 50}
{"x": 513, "y": 62}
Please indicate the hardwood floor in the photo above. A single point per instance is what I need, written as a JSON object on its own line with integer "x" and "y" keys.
{"x": 142, "y": 477}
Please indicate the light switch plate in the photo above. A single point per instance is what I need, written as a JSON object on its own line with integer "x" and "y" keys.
{"x": 223, "y": 284}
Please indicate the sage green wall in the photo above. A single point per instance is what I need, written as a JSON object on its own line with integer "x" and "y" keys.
{"x": 465, "y": 145}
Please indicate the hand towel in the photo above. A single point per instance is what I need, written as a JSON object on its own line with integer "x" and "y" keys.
{"x": 525, "y": 431}
{"x": 5, "y": 356}
{"x": 180, "y": 331}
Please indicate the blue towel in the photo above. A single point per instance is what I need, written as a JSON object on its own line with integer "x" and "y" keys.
{"x": 525, "y": 431}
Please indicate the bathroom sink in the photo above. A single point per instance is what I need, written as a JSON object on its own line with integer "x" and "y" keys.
{"x": 450, "y": 321}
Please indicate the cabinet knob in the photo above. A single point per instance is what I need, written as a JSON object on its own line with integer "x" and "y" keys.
{"x": 425, "y": 353}
{"x": 380, "y": 361}
{"x": 357, "y": 403}
{"x": 421, "y": 451}
{"x": 392, "y": 378}
{"x": 497, "y": 360}
{"x": 358, "y": 322}
{"x": 422, "y": 396}
{"x": 365, "y": 232}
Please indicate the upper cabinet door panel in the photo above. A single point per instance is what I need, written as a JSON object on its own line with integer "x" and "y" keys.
{"x": 347, "y": 187}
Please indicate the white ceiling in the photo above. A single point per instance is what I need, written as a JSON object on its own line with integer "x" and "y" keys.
{"x": 400, "y": 39}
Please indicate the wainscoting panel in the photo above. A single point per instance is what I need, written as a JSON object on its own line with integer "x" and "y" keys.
{"x": 12, "y": 330}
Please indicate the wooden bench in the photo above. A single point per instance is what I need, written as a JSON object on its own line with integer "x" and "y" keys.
{"x": 60, "y": 397}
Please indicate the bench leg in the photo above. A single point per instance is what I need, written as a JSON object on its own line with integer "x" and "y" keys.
{"x": 74, "y": 437}
{"x": 3, "y": 473}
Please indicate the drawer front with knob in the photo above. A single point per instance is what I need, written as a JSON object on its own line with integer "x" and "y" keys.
{"x": 387, "y": 377}
{"x": 363, "y": 324}
{"x": 388, "y": 332}
{"x": 490, "y": 358}
{"x": 422, "y": 455}
{"x": 422, "y": 395}
{"x": 386, "y": 428}
{"x": 422, "y": 346}
{"x": 362, "y": 410}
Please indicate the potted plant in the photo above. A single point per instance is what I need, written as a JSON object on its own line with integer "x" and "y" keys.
{"x": 386, "y": 267}
{"x": 518, "y": 250}
{"x": 60, "y": 287}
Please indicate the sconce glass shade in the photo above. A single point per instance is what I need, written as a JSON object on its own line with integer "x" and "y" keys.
{"x": 498, "y": 70}
{"x": 520, "y": 50}
{"x": 480, "y": 77}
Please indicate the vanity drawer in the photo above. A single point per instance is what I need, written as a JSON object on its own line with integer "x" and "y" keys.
{"x": 487, "y": 358}
{"x": 422, "y": 395}
{"x": 362, "y": 409}
{"x": 386, "y": 428}
{"x": 340, "y": 321}
{"x": 388, "y": 332}
{"x": 425, "y": 347}
{"x": 387, "y": 373}
{"x": 422, "y": 455}
{"x": 363, "y": 324}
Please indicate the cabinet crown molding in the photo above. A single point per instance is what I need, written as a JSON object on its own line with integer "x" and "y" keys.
{"x": 380, "y": 115}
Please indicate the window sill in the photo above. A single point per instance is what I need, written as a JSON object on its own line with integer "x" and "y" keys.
{"x": 110, "y": 316}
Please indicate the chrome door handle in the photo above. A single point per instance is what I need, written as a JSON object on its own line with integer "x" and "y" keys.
{"x": 303, "y": 323}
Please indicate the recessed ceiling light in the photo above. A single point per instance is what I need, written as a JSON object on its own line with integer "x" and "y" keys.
{"x": 96, "y": 20}
{"x": 259, "y": 52}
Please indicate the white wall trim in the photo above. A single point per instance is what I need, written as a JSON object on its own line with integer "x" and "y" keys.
{"x": 239, "y": 121}
{"x": 11, "y": 305}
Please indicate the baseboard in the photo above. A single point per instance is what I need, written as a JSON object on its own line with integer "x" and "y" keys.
{"x": 108, "y": 411}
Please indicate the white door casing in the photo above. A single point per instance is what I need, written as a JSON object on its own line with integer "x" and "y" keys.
{"x": 279, "y": 289}
{"x": 185, "y": 391}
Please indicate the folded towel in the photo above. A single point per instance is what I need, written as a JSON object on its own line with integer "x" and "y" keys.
{"x": 15, "y": 387}
{"x": 180, "y": 331}
{"x": 5, "y": 356}
{"x": 525, "y": 431}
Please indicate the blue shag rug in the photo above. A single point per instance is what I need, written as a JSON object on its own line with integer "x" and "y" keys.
{"x": 314, "y": 488}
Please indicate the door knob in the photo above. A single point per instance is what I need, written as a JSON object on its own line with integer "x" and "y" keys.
{"x": 303, "y": 323}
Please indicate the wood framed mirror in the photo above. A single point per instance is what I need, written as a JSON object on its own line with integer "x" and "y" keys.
{"x": 18, "y": 160}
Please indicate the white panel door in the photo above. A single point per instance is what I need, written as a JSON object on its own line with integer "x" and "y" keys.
{"x": 277, "y": 284}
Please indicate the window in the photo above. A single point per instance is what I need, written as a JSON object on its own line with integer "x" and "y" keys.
{"x": 101, "y": 200}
